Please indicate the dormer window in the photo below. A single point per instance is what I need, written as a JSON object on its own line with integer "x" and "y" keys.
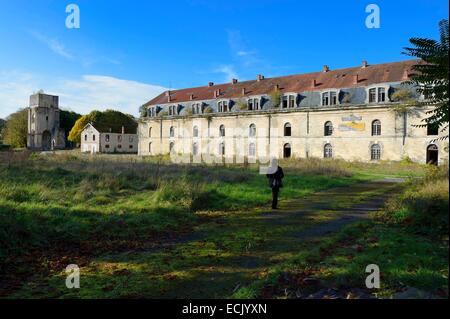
{"x": 223, "y": 106}
{"x": 152, "y": 112}
{"x": 377, "y": 95}
{"x": 253, "y": 104}
{"x": 288, "y": 101}
{"x": 196, "y": 108}
{"x": 173, "y": 110}
{"x": 329, "y": 98}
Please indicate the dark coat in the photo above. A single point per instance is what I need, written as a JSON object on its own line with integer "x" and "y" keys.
{"x": 276, "y": 179}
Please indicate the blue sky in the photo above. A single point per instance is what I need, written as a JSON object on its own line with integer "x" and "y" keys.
{"x": 126, "y": 52}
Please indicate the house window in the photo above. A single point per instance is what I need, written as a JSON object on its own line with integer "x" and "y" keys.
{"x": 253, "y": 104}
{"x": 372, "y": 95}
{"x": 223, "y": 106}
{"x": 376, "y": 128}
{"x": 256, "y": 103}
{"x": 171, "y": 147}
{"x": 327, "y": 151}
{"x": 149, "y": 132}
{"x": 171, "y": 131}
{"x": 85, "y": 137}
{"x": 375, "y": 152}
{"x": 195, "y": 131}
{"x": 252, "y": 130}
{"x": 107, "y": 138}
{"x": 328, "y": 131}
{"x": 93, "y": 137}
{"x": 152, "y": 112}
{"x": 195, "y": 149}
{"x": 325, "y": 98}
{"x": 252, "y": 149}
{"x": 287, "y": 129}
{"x": 287, "y": 150}
{"x": 250, "y": 105}
{"x": 432, "y": 129}
{"x": 333, "y": 98}
{"x": 285, "y": 101}
{"x": 381, "y": 95}
{"x": 291, "y": 101}
{"x": 222, "y": 149}
{"x": 119, "y": 138}
{"x": 222, "y": 130}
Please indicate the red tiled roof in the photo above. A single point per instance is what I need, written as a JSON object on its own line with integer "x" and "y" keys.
{"x": 342, "y": 78}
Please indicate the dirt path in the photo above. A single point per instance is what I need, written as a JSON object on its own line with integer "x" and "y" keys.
{"x": 230, "y": 250}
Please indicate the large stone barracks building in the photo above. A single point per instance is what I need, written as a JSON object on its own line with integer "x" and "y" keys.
{"x": 362, "y": 113}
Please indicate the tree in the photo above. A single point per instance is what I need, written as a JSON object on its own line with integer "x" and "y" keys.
{"x": 15, "y": 131}
{"x": 67, "y": 120}
{"x": 106, "y": 121}
{"x": 432, "y": 77}
{"x": 2, "y": 126}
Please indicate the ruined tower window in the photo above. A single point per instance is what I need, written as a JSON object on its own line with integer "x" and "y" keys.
{"x": 222, "y": 130}
{"x": 85, "y": 137}
{"x": 287, "y": 150}
{"x": 172, "y": 147}
{"x": 222, "y": 149}
{"x": 432, "y": 129}
{"x": 150, "y": 147}
{"x": 252, "y": 130}
{"x": 376, "y": 128}
{"x": 375, "y": 152}
{"x": 171, "y": 131}
{"x": 195, "y": 149}
{"x": 93, "y": 137}
{"x": 149, "y": 132}
{"x": 328, "y": 129}
{"x": 328, "y": 151}
{"x": 287, "y": 129}
{"x": 107, "y": 138}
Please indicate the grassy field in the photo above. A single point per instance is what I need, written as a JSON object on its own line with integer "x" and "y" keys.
{"x": 64, "y": 207}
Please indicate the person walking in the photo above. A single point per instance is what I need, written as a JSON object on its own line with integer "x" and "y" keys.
{"x": 275, "y": 182}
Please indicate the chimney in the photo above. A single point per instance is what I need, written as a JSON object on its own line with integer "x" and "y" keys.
{"x": 168, "y": 96}
{"x": 243, "y": 91}
{"x": 364, "y": 64}
{"x": 191, "y": 97}
{"x": 356, "y": 79}
{"x": 260, "y": 77}
{"x": 234, "y": 81}
{"x": 168, "y": 93}
{"x": 405, "y": 75}
{"x": 325, "y": 68}
{"x": 123, "y": 129}
{"x": 217, "y": 93}
{"x": 210, "y": 83}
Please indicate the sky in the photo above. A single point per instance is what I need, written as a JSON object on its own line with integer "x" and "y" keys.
{"x": 127, "y": 52}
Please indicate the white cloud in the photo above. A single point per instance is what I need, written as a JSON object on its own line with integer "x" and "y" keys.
{"x": 53, "y": 44}
{"x": 81, "y": 95}
{"x": 228, "y": 71}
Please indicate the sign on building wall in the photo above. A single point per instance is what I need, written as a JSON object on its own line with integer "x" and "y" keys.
{"x": 352, "y": 123}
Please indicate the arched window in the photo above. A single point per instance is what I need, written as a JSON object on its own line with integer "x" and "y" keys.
{"x": 149, "y": 132}
{"x": 252, "y": 149}
{"x": 375, "y": 152}
{"x": 195, "y": 131}
{"x": 287, "y": 129}
{"x": 376, "y": 128}
{"x": 287, "y": 150}
{"x": 222, "y": 149}
{"x": 328, "y": 128}
{"x": 328, "y": 151}
{"x": 107, "y": 138}
{"x": 171, "y": 147}
{"x": 432, "y": 154}
{"x": 85, "y": 137}
{"x": 195, "y": 149}
{"x": 150, "y": 148}
{"x": 222, "y": 130}
{"x": 252, "y": 130}
{"x": 172, "y": 131}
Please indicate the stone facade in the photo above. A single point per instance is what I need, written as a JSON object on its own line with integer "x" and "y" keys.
{"x": 93, "y": 141}
{"x": 44, "y": 133}
{"x": 352, "y": 114}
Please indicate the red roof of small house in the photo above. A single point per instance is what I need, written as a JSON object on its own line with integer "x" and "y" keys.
{"x": 364, "y": 75}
